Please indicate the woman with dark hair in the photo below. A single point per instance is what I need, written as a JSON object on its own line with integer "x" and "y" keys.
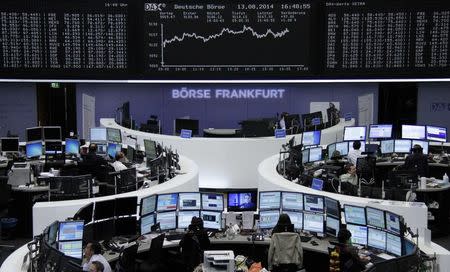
{"x": 193, "y": 243}
{"x": 283, "y": 225}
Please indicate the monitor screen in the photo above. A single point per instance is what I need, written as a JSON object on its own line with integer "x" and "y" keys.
{"x": 355, "y": 215}
{"x": 211, "y": 219}
{"x": 150, "y": 149}
{"x": 393, "y": 244}
{"x": 125, "y": 226}
{"x": 359, "y": 234}
{"x": 167, "y": 220}
{"x": 189, "y": 201}
{"x": 85, "y": 213}
{"x": 330, "y": 149}
{"x": 185, "y": 218}
{"x": 315, "y": 154}
{"x": 113, "y": 149}
{"x": 423, "y": 144}
{"x": 332, "y": 207}
{"x": 126, "y": 206}
{"x": 413, "y": 132}
{"x": 317, "y": 184}
{"x": 296, "y": 219}
{"x": 311, "y": 138}
{"x": 376, "y": 238}
{"x": 313, "y": 203}
{"x": 52, "y": 133}
{"x": 190, "y": 124}
{"x": 98, "y": 134}
{"x": 402, "y": 146}
{"x": 10, "y": 144}
{"x": 313, "y": 222}
{"x": 147, "y": 221}
{"x": 387, "y": 147}
{"x": 437, "y": 134}
{"x": 291, "y": 201}
{"x": 70, "y": 230}
{"x": 72, "y": 249}
{"x": 130, "y": 153}
{"x": 332, "y": 226}
{"x": 34, "y": 149}
{"x": 393, "y": 222}
{"x": 34, "y": 134}
{"x": 269, "y": 200}
{"x": 342, "y": 147}
{"x": 355, "y": 133}
{"x": 72, "y": 146}
{"x": 53, "y": 147}
{"x": 212, "y": 202}
{"x": 53, "y": 233}
{"x": 167, "y": 202}
{"x": 113, "y": 135}
{"x": 362, "y": 148}
{"x": 148, "y": 205}
{"x": 268, "y": 219}
{"x": 305, "y": 156}
{"x": 104, "y": 209}
{"x": 242, "y": 201}
{"x": 380, "y": 131}
{"x": 375, "y": 217}
{"x": 102, "y": 149}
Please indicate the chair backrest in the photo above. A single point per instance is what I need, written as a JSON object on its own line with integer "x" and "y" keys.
{"x": 127, "y": 181}
{"x": 5, "y": 194}
{"x": 287, "y": 254}
{"x": 70, "y": 187}
{"x": 127, "y": 259}
{"x": 192, "y": 253}
{"x": 156, "y": 248}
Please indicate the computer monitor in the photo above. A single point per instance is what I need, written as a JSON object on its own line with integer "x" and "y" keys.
{"x": 307, "y": 118}
{"x": 102, "y": 149}
{"x": 85, "y": 213}
{"x": 355, "y": 133}
{"x": 375, "y": 217}
{"x": 34, "y": 134}
{"x": 436, "y": 134}
{"x": 381, "y": 131}
{"x": 212, "y": 202}
{"x": 330, "y": 149}
{"x": 269, "y": 200}
{"x": 317, "y": 184}
{"x": 332, "y": 207}
{"x": 305, "y": 156}
{"x": 413, "y": 132}
{"x": 423, "y": 144}
{"x": 332, "y": 226}
{"x": 362, "y": 148}
{"x": 52, "y": 233}
{"x": 393, "y": 222}
{"x": 394, "y": 244}
{"x": 313, "y": 222}
{"x": 10, "y": 145}
{"x": 296, "y": 219}
{"x": 402, "y": 146}
{"x": 311, "y": 138}
{"x": 376, "y": 238}
{"x": 355, "y": 214}
{"x": 291, "y": 201}
{"x": 211, "y": 219}
{"x": 342, "y": 147}
{"x": 190, "y": 124}
{"x": 53, "y": 147}
{"x": 125, "y": 226}
{"x": 72, "y": 249}
{"x": 147, "y": 222}
{"x": 150, "y": 149}
{"x": 103, "y": 230}
{"x": 104, "y": 209}
{"x": 268, "y": 219}
{"x": 113, "y": 135}
{"x": 33, "y": 150}
{"x": 185, "y": 218}
{"x": 70, "y": 230}
{"x": 167, "y": 202}
{"x": 148, "y": 205}
{"x": 130, "y": 153}
{"x": 113, "y": 149}
{"x": 126, "y": 206}
{"x": 387, "y": 147}
{"x": 189, "y": 201}
{"x": 371, "y": 148}
{"x": 315, "y": 154}
{"x": 52, "y": 133}
{"x": 359, "y": 234}
{"x": 98, "y": 134}
{"x": 72, "y": 146}
{"x": 242, "y": 201}
{"x": 313, "y": 203}
{"x": 167, "y": 220}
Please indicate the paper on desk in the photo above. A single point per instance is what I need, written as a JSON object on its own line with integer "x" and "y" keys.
{"x": 247, "y": 220}
{"x": 230, "y": 218}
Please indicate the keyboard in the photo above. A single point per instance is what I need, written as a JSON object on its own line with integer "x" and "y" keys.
{"x": 305, "y": 239}
{"x": 174, "y": 236}
{"x": 20, "y": 165}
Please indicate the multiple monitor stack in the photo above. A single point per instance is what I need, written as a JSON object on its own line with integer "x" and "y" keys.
{"x": 108, "y": 140}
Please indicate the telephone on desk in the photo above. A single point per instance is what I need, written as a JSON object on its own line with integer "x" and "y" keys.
{"x": 256, "y": 237}
{"x": 111, "y": 245}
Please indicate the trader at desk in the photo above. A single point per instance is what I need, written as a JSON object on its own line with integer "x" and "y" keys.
{"x": 350, "y": 174}
{"x": 92, "y": 253}
{"x": 349, "y": 258}
{"x": 418, "y": 160}
{"x": 355, "y": 153}
{"x": 118, "y": 163}
{"x": 92, "y": 162}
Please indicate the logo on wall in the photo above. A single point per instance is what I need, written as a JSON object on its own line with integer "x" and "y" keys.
{"x": 186, "y": 93}
{"x": 437, "y": 107}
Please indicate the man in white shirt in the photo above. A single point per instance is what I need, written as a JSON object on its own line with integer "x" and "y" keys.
{"x": 355, "y": 153}
{"x": 93, "y": 252}
{"x": 117, "y": 164}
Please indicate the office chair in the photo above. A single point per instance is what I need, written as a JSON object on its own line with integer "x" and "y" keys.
{"x": 5, "y": 201}
{"x": 286, "y": 259}
{"x": 154, "y": 263}
{"x": 127, "y": 181}
{"x": 127, "y": 259}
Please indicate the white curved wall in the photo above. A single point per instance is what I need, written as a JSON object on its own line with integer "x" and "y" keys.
{"x": 226, "y": 162}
